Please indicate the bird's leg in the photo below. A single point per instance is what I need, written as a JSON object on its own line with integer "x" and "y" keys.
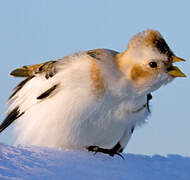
{"x": 114, "y": 151}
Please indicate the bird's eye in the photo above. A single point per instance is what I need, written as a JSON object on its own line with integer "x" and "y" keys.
{"x": 153, "y": 64}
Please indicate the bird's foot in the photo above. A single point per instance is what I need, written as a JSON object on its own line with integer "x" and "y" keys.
{"x": 110, "y": 152}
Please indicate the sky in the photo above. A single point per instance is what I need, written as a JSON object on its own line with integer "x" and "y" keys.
{"x": 40, "y": 30}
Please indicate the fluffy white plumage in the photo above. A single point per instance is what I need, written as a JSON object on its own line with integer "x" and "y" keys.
{"x": 72, "y": 116}
{"x": 92, "y": 98}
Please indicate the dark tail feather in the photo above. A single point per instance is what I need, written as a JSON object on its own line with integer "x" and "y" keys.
{"x": 11, "y": 117}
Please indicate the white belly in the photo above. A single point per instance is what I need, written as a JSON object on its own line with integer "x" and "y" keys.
{"x": 74, "y": 125}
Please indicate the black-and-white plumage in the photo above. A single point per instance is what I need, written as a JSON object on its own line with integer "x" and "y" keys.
{"x": 90, "y": 100}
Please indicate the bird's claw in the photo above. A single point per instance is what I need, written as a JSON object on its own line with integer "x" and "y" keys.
{"x": 119, "y": 154}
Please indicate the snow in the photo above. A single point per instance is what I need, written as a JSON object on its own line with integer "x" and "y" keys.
{"x": 48, "y": 163}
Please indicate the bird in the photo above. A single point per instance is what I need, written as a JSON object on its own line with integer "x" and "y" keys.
{"x": 91, "y": 100}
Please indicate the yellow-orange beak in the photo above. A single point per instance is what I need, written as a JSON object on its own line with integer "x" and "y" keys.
{"x": 174, "y": 70}
{"x": 177, "y": 59}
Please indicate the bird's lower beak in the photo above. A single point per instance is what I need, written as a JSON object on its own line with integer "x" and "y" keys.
{"x": 174, "y": 70}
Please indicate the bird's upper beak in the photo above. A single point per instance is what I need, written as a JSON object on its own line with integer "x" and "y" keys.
{"x": 174, "y": 70}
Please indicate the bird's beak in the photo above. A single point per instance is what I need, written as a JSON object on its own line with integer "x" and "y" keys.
{"x": 174, "y": 70}
{"x": 177, "y": 59}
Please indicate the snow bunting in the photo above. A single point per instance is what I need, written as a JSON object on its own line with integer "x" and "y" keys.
{"x": 91, "y": 100}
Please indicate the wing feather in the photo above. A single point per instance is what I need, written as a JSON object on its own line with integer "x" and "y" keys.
{"x": 19, "y": 86}
{"x": 42, "y": 80}
{"x": 27, "y": 71}
{"x": 11, "y": 117}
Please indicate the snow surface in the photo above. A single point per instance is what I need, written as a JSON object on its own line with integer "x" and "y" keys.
{"x": 48, "y": 163}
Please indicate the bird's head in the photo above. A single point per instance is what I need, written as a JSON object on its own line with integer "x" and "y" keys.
{"x": 148, "y": 62}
